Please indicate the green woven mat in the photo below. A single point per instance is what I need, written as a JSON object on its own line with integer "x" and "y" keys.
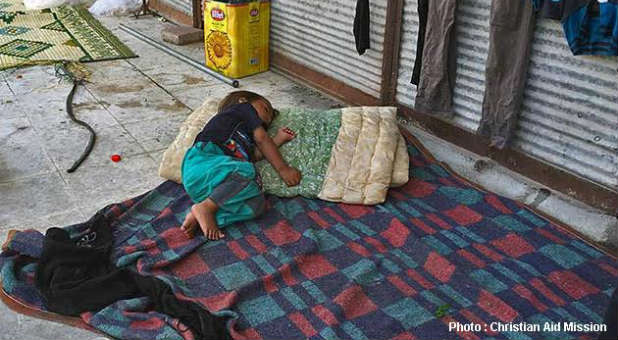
{"x": 316, "y": 133}
{"x": 65, "y": 33}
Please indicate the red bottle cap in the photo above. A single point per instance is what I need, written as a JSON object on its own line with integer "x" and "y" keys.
{"x": 115, "y": 158}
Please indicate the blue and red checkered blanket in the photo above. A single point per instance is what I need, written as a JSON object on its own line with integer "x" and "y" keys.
{"x": 439, "y": 250}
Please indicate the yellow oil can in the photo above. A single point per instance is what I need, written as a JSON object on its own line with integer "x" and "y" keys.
{"x": 236, "y": 35}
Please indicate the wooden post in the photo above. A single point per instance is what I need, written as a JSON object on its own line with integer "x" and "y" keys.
{"x": 390, "y": 52}
{"x": 198, "y": 20}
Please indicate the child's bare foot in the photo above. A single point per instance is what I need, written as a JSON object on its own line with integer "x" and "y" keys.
{"x": 189, "y": 225}
{"x": 204, "y": 212}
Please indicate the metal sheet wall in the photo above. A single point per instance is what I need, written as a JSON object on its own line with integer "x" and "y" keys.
{"x": 184, "y": 6}
{"x": 570, "y": 112}
{"x": 318, "y": 34}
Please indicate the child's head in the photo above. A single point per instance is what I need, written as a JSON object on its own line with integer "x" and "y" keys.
{"x": 263, "y": 107}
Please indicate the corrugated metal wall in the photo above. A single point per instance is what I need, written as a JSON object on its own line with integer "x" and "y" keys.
{"x": 570, "y": 110}
{"x": 184, "y": 6}
{"x": 318, "y": 34}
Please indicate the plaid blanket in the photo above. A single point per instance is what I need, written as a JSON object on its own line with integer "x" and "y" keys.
{"x": 439, "y": 250}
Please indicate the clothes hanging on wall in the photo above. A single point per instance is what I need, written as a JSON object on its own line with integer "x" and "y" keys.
{"x": 510, "y": 34}
{"x": 423, "y": 6}
{"x": 590, "y": 26}
{"x": 435, "y": 90}
{"x": 361, "y": 26}
{"x": 75, "y": 276}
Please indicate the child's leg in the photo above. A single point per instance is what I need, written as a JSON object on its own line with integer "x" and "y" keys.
{"x": 190, "y": 225}
{"x": 205, "y": 212}
{"x": 236, "y": 198}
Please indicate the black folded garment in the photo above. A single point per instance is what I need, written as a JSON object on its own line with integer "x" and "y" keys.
{"x": 76, "y": 276}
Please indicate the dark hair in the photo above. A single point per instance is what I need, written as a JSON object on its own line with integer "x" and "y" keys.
{"x": 235, "y": 97}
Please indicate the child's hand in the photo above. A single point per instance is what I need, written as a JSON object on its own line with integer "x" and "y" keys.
{"x": 290, "y": 176}
{"x": 285, "y": 134}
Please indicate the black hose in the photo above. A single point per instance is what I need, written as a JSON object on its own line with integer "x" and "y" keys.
{"x": 93, "y": 135}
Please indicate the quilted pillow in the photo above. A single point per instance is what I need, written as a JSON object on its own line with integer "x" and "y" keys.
{"x": 173, "y": 156}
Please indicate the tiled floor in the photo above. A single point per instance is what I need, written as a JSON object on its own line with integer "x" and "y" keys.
{"x": 135, "y": 106}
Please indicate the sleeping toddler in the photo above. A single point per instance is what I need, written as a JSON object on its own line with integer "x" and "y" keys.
{"x": 218, "y": 171}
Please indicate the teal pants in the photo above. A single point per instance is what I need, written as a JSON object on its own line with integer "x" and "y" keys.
{"x": 207, "y": 172}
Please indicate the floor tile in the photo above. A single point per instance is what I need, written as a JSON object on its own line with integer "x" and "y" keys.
{"x": 21, "y": 153}
{"x": 145, "y": 104}
{"x": 42, "y": 195}
{"x": 96, "y": 186}
{"x": 156, "y": 134}
{"x": 65, "y": 146}
{"x": 52, "y": 114}
{"x": 31, "y": 80}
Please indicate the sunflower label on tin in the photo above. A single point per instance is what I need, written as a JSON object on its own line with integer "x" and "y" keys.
{"x": 236, "y": 37}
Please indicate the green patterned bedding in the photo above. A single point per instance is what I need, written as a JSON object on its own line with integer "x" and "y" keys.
{"x": 310, "y": 152}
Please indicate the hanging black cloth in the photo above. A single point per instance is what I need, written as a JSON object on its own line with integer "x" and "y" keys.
{"x": 361, "y": 26}
{"x": 75, "y": 276}
{"x": 423, "y": 7}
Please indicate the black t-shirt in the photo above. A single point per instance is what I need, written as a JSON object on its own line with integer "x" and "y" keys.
{"x": 232, "y": 130}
